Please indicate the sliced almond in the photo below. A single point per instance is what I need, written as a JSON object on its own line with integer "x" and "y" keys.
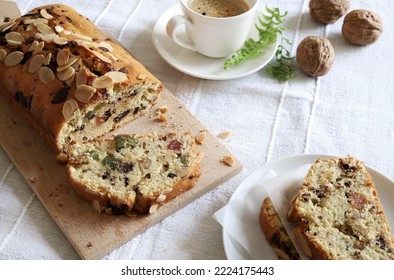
{"x": 39, "y": 21}
{"x": 166, "y": 191}
{"x": 153, "y": 208}
{"x": 46, "y": 75}
{"x": 70, "y": 81}
{"x": 66, "y": 74}
{"x": 3, "y": 54}
{"x": 66, "y": 32}
{"x": 82, "y": 77}
{"x": 69, "y": 63}
{"x": 141, "y": 77}
{"x": 35, "y": 63}
{"x": 39, "y": 47}
{"x": 49, "y": 38}
{"x": 200, "y": 138}
{"x": 13, "y": 58}
{"x": 44, "y": 29}
{"x": 225, "y": 134}
{"x": 102, "y": 57}
{"x": 7, "y": 26}
{"x": 33, "y": 46}
{"x": 118, "y": 77}
{"x": 14, "y": 38}
{"x": 48, "y": 59}
{"x": 103, "y": 82}
{"x": 60, "y": 40}
{"x": 161, "y": 198}
{"x": 38, "y": 36}
{"x": 83, "y": 37}
{"x": 62, "y": 57}
{"x": 44, "y": 14}
{"x": 228, "y": 160}
{"x": 30, "y": 27}
{"x": 84, "y": 93}
{"x": 106, "y": 45}
{"x": 69, "y": 109}
{"x": 29, "y": 21}
{"x": 59, "y": 28}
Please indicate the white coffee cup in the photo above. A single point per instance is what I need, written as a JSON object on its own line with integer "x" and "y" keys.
{"x": 212, "y": 36}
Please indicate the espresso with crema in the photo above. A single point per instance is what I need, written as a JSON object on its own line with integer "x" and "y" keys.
{"x": 219, "y": 8}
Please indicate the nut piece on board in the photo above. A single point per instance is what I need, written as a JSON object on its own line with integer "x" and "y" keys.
{"x": 315, "y": 56}
{"x": 328, "y": 11}
{"x": 362, "y": 27}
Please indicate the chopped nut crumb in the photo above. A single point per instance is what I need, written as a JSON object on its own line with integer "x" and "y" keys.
{"x": 200, "y": 138}
{"x": 228, "y": 160}
{"x": 225, "y": 134}
{"x": 163, "y": 109}
{"x": 32, "y": 180}
{"x": 161, "y": 118}
{"x": 90, "y": 244}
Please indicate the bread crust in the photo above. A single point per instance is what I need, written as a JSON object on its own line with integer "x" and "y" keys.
{"x": 275, "y": 232}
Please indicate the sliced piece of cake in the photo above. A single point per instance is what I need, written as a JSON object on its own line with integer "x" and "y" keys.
{"x": 275, "y": 232}
{"x": 338, "y": 213}
{"x": 130, "y": 173}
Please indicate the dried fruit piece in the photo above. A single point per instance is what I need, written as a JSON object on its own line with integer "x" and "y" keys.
{"x": 362, "y": 27}
{"x": 13, "y": 58}
{"x": 84, "y": 93}
{"x": 328, "y": 11}
{"x": 315, "y": 56}
{"x": 46, "y": 75}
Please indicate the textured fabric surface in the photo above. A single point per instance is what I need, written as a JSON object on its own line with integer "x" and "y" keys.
{"x": 348, "y": 111}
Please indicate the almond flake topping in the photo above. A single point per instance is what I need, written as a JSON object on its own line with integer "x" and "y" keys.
{"x": 45, "y": 29}
{"x": 83, "y": 37}
{"x": 48, "y": 59}
{"x": 44, "y": 14}
{"x": 8, "y": 25}
{"x": 69, "y": 109}
{"x": 69, "y": 63}
{"x": 60, "y": 40}
{"x": 39, "y": 21}
{"x": 153, "y": 208}
{"x": 46, "y": 75}
{"x": 14, "y": 38}
{"x": 65, "y": 74}
{"x": 84, "y": 93}
{"x": 102, "y": 57}
{"x": 49, "y": 38}
{"x": 103, "y": 82}
{"x": 82, "y": 77}
{"x": 35, "y": 63}
{"x": 118, "y": 77}
{"x": 3, "y": 54}
{"x": 13, "y": 58}
{"x": 59, "y": 28}
{"x": 62, "y": 57}
{"x": 33, "y": 46}
{"x": 161, "y": 198}
{"x": 106, "y": 45}
{"x": 39, "y": 47}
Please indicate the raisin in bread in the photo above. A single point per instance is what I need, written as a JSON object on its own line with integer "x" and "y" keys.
{"x": 130, "y": 173}
{"x": 69, "y": 80}
{"x": 275, "y": 232}
{"x": 338, "y": 213}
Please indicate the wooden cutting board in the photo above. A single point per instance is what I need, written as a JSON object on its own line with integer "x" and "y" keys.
{"x": 95, "y": 235}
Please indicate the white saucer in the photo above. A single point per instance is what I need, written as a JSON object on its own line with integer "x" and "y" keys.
{"x": 197, "y": 65}
{"x": 235, "y": 251}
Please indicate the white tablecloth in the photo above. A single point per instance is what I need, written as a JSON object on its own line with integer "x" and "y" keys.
{"x": 348, "y": 111}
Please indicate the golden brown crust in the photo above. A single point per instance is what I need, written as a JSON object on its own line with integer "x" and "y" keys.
{"x": 38, "y": 102}
{"x": 275, "y": 232}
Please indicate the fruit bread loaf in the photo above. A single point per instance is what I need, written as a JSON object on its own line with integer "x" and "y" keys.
{"x": 69, "y": 80}
{"x": 133, "y": 174}
{"x": 338, "y": 213}
{"x": 275, "y": 232}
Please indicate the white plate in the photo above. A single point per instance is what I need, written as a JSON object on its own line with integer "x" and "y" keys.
{"x": 234, "y": 251}
{"x": 197, "y": 65}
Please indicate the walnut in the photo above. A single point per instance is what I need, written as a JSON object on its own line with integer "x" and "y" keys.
{"x": 362, "y": 27}
{"x": 328, "y": 11}
{"x": 315, "y": 56}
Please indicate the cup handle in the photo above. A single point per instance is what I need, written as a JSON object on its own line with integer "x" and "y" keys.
{"x": 172, "y": 26}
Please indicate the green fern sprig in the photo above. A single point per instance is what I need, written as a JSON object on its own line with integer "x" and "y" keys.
{"x": 268, "y": 30}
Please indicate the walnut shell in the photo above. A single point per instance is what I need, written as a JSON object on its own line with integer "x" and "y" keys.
{"x": 328, "y": 11}
{"x": 315, "y": 56}
{"x": 362, "y": 27}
